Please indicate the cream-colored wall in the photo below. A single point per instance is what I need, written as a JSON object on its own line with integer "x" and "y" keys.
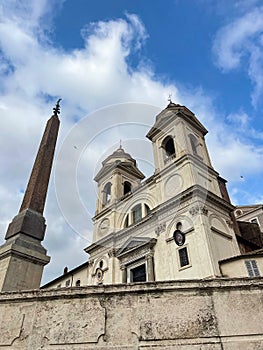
{"x": 111, "y": 211}
{"x": 208, "y": 315}
{"x": 209, "y": 238}
{"x": 251, "y": 214}
{"x": 81, "y": 275}
{"x": 171, "y": 182}
{"x": 237, "y": 267}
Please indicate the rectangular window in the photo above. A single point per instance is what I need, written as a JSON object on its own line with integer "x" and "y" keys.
{"x": 252, "y": 268}
{"x": 67, "y": 283}
{"x": 183, "y": 257}
{"x": 138, "y": 274}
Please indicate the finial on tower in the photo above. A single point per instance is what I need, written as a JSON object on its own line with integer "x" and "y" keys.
{"x": 120, "y": 144}
{"x": 56, "y": 109}
{"x": 171, "y": 104}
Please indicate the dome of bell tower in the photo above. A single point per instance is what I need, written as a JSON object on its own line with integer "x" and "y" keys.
{"x": 119, "y": 156}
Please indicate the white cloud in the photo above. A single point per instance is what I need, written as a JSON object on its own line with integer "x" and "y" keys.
{"x": 234, "y": 157}
{"x": 34, "y": 73}
{"x": 239, "y": 45}
{"x": 240, "y": 119}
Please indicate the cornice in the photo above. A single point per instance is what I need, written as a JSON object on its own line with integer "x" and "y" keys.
{"x": 196, "y": 191}
{"x": 184, "y": 286}
{"x": 165, "y": 120}
{"x": 190, "y": 158}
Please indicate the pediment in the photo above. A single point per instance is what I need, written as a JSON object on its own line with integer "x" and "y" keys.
{"x": 134, "y": 243}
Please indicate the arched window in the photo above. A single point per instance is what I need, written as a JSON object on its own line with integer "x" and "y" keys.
{"x": 106, "y": 193}
{"x": 78, "y": 283}
{"x": 168, "y": 146}
{"x": 136, "y": 213}
{"x": 194, "y": 143}
{"x": 179, "y": 226}
{"x": 126, "y": 187}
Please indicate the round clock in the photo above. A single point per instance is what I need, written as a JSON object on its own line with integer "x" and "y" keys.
{"x": 104, "y": 226}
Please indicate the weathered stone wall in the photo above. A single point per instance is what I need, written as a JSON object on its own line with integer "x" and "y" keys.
{"x": 189, "y": 315}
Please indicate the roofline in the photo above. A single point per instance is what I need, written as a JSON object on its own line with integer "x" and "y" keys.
{"x": 258, "y": 252}
{"x": 69, "y": 273}
{"x": 250, "y": 206}
{"x": 187, "y": 113}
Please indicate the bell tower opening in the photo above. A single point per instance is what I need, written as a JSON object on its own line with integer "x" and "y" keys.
{"x": 194, "y": 144}
{"x": 106, "y": 193}
{"x": 126, "y": 187}
{"x": 168, "y": 147}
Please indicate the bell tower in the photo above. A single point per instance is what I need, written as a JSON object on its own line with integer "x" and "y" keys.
{"x": 180, "y": 153}
{"x": 118, "y": 177}
{"x": 176, "y": 224}
{"x": 187, "y": 178}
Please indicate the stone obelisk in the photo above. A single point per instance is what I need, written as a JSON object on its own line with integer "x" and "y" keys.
{"x": 22, "y": 256}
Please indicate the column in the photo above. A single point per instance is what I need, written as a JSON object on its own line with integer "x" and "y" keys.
{"x": 150, "y": 268}
{"x": 124, "y": 273}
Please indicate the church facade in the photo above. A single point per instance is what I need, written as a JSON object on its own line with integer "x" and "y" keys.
{"x": 173, "y": 264}
{"x": 178, "y": 224}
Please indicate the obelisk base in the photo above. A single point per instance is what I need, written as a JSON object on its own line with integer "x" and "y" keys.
{"x": 22, "y": 259}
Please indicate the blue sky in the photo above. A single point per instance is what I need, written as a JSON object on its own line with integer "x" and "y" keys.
{"x": 207, "y": 54}
{"x": 179, "y": 46}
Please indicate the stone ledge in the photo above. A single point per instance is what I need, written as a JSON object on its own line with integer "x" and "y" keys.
{"x": 139, "y": 288}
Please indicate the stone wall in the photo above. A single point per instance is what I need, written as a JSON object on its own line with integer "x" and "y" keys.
{"x": 188, "y": 315}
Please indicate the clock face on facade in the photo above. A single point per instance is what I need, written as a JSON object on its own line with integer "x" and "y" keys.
{"x": 179, "y": 237}
{"x": 104, "y": 226}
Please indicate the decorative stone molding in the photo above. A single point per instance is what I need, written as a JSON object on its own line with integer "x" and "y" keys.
{"x": 112, "y": 253}
{"x": 160, "y": 228}
{"x": 129, "y": 254}
{"x": 149, "y": 255}
{"x": 198, "y": 209}
{"x": 169, "y": 159}
{"x": 230, "y": 223}
{"x": 136, "y": 255}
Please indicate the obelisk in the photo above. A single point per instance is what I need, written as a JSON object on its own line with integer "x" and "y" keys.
{"x": 22, "y": 256}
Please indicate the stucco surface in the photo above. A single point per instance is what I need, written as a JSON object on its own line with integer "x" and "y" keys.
{"x": 208, "y": 314}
